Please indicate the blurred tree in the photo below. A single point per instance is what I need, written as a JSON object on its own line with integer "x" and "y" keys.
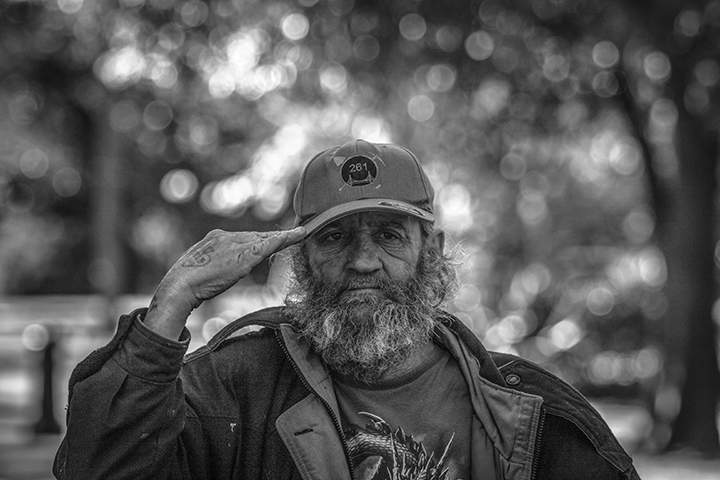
{"x": 667, "y": 80}
{"x": 573, "y": 145}
{"x": 674, "y": 109}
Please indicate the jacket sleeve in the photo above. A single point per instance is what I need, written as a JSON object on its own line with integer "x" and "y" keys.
{"x": 126, "y": 409}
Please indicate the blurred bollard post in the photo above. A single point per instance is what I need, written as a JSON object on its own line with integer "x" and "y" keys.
{"x": 43, "y": 340}
{"x": 47, "y": 422}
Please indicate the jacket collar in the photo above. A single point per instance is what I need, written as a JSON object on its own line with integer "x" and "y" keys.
{"x": 510, "y": 418}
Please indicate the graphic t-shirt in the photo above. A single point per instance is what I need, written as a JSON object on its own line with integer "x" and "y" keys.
{"x": 418, "y": 428}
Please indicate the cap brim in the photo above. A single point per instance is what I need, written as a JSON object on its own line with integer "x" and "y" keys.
{"x": 365, "y": 205}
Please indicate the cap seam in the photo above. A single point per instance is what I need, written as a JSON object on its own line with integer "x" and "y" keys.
{"x": 417, "y": 166}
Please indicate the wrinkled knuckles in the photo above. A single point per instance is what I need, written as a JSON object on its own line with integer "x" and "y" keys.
{"x": 257, "y": 248}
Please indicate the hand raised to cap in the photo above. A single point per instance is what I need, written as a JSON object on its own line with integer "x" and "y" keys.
{"x": 207, "y": 269}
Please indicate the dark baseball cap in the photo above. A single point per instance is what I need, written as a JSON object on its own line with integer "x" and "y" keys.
{"x": 361, "y": 176}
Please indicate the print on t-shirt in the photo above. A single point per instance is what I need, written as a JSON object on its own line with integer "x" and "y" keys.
{"x": 379, "y": 453}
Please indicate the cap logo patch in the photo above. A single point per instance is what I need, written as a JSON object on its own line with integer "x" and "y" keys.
{"x": 359, "y": 171}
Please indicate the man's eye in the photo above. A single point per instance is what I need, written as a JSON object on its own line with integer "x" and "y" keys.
{"x": 332, "y": 237}
{"x": 389, "y": 236}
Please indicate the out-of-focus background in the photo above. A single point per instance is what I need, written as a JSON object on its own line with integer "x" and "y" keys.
{"x": 573, "y": 145}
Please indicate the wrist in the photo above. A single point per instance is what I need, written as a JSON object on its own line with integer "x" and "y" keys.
{"x": 167, "y": 315}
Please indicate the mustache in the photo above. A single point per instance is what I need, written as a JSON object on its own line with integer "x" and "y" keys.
{"x": 393, "y": 290}
{"x": 358, "y": 281}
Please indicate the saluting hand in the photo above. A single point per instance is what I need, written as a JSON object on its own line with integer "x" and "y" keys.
{"x": 207, "y": 269}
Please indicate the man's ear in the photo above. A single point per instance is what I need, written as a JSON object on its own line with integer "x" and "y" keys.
{"x": 437, "y": 241}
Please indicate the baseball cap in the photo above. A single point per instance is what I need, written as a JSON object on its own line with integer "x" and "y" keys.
{"x": 361, "y": 176}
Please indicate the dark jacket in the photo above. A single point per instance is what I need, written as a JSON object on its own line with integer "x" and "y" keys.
{"x": 260, "y": 405}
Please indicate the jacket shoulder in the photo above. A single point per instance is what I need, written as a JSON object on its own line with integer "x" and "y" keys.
{"x": 255, "y": 327}
{"x": 565, "y": 406}
{"x": 529, "y": 377}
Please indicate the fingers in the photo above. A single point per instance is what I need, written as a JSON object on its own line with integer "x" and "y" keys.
{"x": 291, "y": 237}
{"x": 269, "y": 243}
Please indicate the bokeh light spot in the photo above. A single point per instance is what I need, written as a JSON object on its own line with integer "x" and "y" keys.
{"x": 369, "y": 126}
{"x": 479, "y": 45}
{"x": 455, "y": 203}
{"x": 366, "y": 47}
{"x": 441, "y": 78}
{"x": 653, "y": 268}
{"x": 157, "y": 115}
{"x": 696, "y": 99}
{"x": 421, "y": 108}
{"x": 688, "y": 23}
{"x": 605, "y": 84}
{"x": 413, "y": 26}
{"x": 468, "y": 298}
{"x": 35, "y": 337}
{"x": 512, "y": 329}
{"x": 707, "y": 72}
{"x": 600, "y": 301}
{"x": 638, "y": 226}
{"x": 120, "y": 66}
{"x": 657, "y": 66}
{"x": 624, "y": 157}
{"x": 605, "y": 54}
{"x": 70, "y": 6}
{"x": 532, "y": 207}
{"x": 295, "y": 26}
{"x": 193, "y": 13}
{"x": 204, "y": 131}
{"x": 272, "y": 201}
{"x": 25, "y": 106}
{"x": 448, "y": 38}
{"x": 179, "y": 186}
{"x": 333, "y": 78}
{"x": 663, "y": 113}
{"x": 513, "y": 166}
{"x": 67, "y": 182}
{"x": 34, "y": 163}
{"x": 565, "y": 334}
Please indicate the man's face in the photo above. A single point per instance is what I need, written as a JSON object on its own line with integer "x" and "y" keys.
{"x": 366, "y": 291}
{"x": 359, "y": 252}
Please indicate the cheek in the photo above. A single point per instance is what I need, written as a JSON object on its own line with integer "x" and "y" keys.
{"x": 327, "y": 268}
{"x": 402, "y": 268}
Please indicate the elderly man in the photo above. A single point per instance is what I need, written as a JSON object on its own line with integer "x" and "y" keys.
{"x": 361, "y": 375}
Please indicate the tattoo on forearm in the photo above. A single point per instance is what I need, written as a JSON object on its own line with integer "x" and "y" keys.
{"x": 199, "y": 257}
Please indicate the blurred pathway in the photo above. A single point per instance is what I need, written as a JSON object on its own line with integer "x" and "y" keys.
{"x": 675, "y": 467}
{"x": 29, "y": 459}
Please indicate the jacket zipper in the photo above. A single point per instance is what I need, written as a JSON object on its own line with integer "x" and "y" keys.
{"x": 536, "y": 454}
{"x": 327, "y": 406}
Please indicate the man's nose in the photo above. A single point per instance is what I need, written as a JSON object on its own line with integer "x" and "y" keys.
{"x": 364, "y": 256}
